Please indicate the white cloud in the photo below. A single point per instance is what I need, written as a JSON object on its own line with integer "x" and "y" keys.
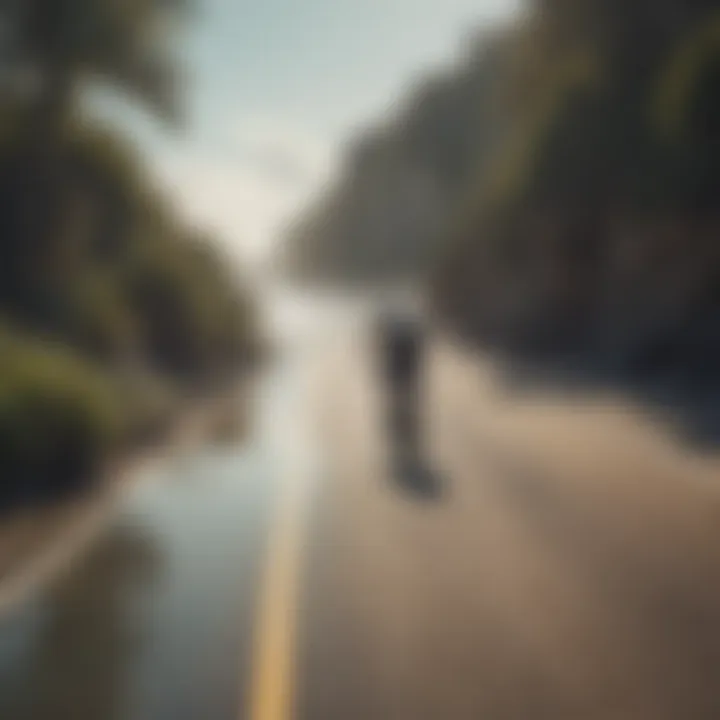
{"x": 259, "y": 136}
{"x": 252, "y": 184}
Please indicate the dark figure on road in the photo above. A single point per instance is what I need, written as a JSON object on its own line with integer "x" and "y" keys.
{"x": 402, "y": 349}
{"x": 402, "y": 345}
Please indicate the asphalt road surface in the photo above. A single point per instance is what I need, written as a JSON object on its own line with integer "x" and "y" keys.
{"x": 545, "y": 561}
{"x": 566, "y": 564}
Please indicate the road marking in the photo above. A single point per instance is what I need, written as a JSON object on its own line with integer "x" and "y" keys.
{"x": 272, "y": 689}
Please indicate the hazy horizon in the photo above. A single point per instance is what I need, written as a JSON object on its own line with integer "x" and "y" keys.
{"x": 277, "y": 89}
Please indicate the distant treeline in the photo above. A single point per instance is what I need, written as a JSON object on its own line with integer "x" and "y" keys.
{"x": 112, "y": 311}
{"x": 560, "y": 186}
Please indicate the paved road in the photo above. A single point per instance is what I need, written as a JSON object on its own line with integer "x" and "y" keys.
{"x": 569, "y": 567}
{"x": 565, "y": 565}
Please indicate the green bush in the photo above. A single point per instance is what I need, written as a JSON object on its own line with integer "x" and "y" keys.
{"x": 193, "y": 322}
{"x": 59, "y": 418}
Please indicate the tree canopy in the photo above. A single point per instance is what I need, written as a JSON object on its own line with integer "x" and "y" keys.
{"x": 113, "y": 309}
{"x": 570, "y": 175}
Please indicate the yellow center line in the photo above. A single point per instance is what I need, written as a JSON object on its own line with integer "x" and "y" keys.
{"x": 272, "y": 689}
{"x": 272, "y": 693}
{"x": 273, "y": 679}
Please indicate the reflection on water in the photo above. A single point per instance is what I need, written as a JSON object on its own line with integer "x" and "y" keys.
{"x": 149, "y": 623}
{"x": 86, "y": 635}
{"x": 154, "y": 621}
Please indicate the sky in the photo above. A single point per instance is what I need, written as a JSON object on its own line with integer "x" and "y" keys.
{"x": 277, "y": 86}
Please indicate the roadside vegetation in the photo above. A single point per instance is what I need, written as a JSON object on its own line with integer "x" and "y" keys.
{"x": 113, "y": 313}
{"x": 559, "y": 188}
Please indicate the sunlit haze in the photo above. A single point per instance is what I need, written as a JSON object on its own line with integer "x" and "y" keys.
{"x": 275, "y": 90}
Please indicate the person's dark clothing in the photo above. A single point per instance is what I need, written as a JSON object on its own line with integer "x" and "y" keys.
{"x": 403, "y": 353}
{"x": 402, "y": 349}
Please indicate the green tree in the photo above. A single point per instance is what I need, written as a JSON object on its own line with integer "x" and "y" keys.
{"x": 56, "y": 47}
{"x": 52, "y": 52}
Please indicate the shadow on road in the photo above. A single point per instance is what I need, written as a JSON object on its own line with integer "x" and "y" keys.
{"x": 691, "y": 401}
{"x": 413, "y": 476}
